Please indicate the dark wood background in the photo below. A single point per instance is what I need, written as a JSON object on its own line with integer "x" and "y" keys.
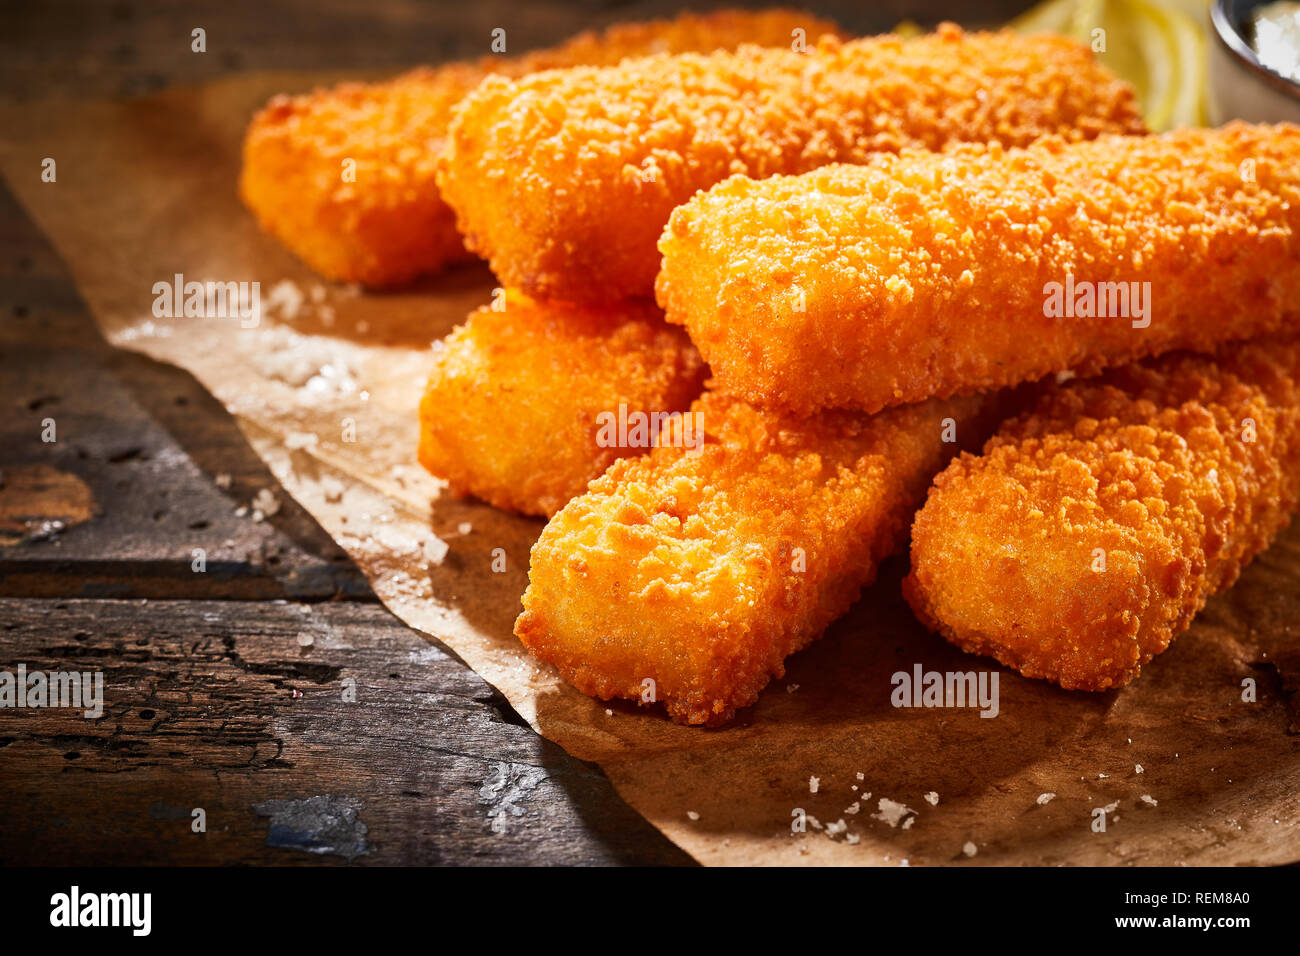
{"x": 224, "y": 686}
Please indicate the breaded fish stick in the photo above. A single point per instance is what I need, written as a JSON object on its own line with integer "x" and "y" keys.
{"x": 527, "y": 404}
{"x": 344, "y": 176}
{"x": 689, "y": 578}
{"x": 925, "y": 274}
{"x": 1093, "y": 529}
{"x": 564, "y": 180}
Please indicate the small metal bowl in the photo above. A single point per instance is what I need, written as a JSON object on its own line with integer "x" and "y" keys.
{"x": 1240, "y": 86}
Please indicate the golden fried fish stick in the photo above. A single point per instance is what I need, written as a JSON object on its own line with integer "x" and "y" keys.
{"x": 527, "y": 404}
{"x": 344, "y": 176}
{"x": 1092, "y": 529}
{"x": 564, "y": 180}
{"x": 925, "y": 274}
{"x": 688, "y": 576}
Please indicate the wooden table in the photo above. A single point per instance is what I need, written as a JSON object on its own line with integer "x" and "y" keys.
{"x": 222, "y": 687}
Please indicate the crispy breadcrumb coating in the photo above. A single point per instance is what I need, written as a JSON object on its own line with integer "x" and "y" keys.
{"x": 516, "y": 408}
{"x": 702, "y": 573}
{"x": 1092, "y": 529}
{"x": 564, "y": 180}
{"x": 927, "y": 274}
{"x": 386, "y": 224}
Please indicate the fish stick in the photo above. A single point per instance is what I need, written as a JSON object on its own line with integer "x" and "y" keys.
{"x": 926, "y": 275}
{"x": 525, "y": 401}
{"x": 344, "y": 176}
{"x": 1093, "y": 529}
{"x": 564, "y": 180}
{"x": 688, "y": 578}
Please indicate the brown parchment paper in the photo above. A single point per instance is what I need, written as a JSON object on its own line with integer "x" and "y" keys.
{"x": 146, "y": 189}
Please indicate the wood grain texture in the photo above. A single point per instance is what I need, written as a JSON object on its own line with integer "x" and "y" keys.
{"x": 219, "y": 705}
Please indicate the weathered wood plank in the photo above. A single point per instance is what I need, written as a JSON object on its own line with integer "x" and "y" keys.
{"x": 243, "y": 715}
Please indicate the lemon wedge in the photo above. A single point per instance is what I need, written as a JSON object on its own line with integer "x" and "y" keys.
{"x": 1159, "y": 46}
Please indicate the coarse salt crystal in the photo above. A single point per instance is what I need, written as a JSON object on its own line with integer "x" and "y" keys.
{"x": 892, "y": 812}
{"x": 286, "y": 298}
{"x": 435, "y": 549}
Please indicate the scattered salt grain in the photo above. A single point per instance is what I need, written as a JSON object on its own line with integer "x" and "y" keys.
{"x": 285, "y": 298}
{"x": 1137, "y": 768}
{"x": 1150, "y": 800}
{"x": 813, "y": 784}
{"x": 932, "y": 798}
{"x": 1045, "y": 798}
{"x": 692, "y": 815}
{"x": 222, "y": 481}
{"x": 969, "y": 848}
{"x": 892, "y": 812}
{"x": 435, "y": 549}
{"x": 265, "y": 505}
